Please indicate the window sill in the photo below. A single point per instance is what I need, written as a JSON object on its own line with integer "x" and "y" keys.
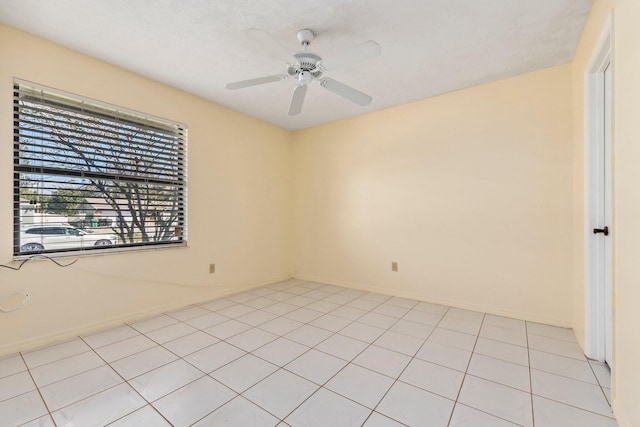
{"x": 98, "y": 252}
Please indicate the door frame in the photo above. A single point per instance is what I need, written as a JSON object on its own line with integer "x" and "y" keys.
{"x": 595, "y": 298}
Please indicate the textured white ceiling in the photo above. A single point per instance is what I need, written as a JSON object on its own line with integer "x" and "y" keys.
{"x": 429, "y": 47}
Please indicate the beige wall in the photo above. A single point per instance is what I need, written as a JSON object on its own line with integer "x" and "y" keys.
{"x": 239, "y": 207}
{"x": 469, "y": 192}
{"x": 627, "y": 212}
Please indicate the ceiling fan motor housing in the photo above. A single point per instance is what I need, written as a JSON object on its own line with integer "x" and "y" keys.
{"x": 307, "y": 61}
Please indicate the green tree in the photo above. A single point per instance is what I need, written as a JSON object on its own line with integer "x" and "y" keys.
{"x": 64, "y": 200}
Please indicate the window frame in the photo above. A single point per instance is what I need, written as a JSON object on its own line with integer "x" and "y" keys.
{"x": 177, "y": 185}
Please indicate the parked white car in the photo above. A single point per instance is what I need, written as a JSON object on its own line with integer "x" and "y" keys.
{"x": 58, "y": 237}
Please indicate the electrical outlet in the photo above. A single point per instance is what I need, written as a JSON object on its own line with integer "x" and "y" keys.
{"x": 212, "y": 268}
{"x": 394, "y": 266}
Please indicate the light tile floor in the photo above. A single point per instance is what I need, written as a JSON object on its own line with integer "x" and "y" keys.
{"x": 300, "y": 353}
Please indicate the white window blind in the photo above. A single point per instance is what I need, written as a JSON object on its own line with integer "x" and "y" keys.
{"x": 93, "y": 177}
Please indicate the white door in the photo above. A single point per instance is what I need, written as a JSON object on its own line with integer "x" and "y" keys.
{"x": 599, "y": 225}
{"x": 602, "y": 216}
{"x": 607, "y": 215}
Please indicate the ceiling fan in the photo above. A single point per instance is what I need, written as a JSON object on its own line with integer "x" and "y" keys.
{"x": 309, "y": 66}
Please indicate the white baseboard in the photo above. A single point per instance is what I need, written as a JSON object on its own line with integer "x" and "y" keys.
{"x": 442, "y": 301}
{"x": 89, "y": 328}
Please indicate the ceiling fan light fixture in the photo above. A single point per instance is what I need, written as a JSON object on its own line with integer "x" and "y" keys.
{"x": 305, "y": 77}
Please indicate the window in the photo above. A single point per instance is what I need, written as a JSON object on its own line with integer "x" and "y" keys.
{"x": 56, "y": 230}
{"x": 117, "y": 175}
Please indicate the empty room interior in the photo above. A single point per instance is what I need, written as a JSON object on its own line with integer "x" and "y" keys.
{"x": 320, "y": 213}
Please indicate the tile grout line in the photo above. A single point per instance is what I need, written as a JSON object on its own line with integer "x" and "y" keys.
{"x": 569, "y": 378}
{"x": 407, "y": 365}
{"x": 322, "y": 386}
{"x": 533, "y": 417}
{"x": 150, "y": 403}
{"x": 66, "y": 378}
{"x": 37, "y": 388}
{"x": 279, "y": 367}
{"x": 363, "y": 350}
{"x": 125, "y": 381}
{"x": 598, "y": 381}
{"x": 205, "y": 374}
{"x": 576, "y": 407}
{"x": 566, "y": 377}
{"x": 373, "y": 342}
{"x": 455, "y": 402}
{"x": 85, "y": 397}
{"x": 282, "y": 367}
{"x": 223, "y": 404}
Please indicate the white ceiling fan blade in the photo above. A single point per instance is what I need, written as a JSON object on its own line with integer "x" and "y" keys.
{"x": 273, "y": 47}
{"x": 297, "y": 99}
{"x": 345, "y": 91}
{"x": 254, "y": 82}
{"x": 357, "y": 53}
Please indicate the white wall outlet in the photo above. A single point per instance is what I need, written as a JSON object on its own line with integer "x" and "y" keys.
{"x": 394, "y": 266}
